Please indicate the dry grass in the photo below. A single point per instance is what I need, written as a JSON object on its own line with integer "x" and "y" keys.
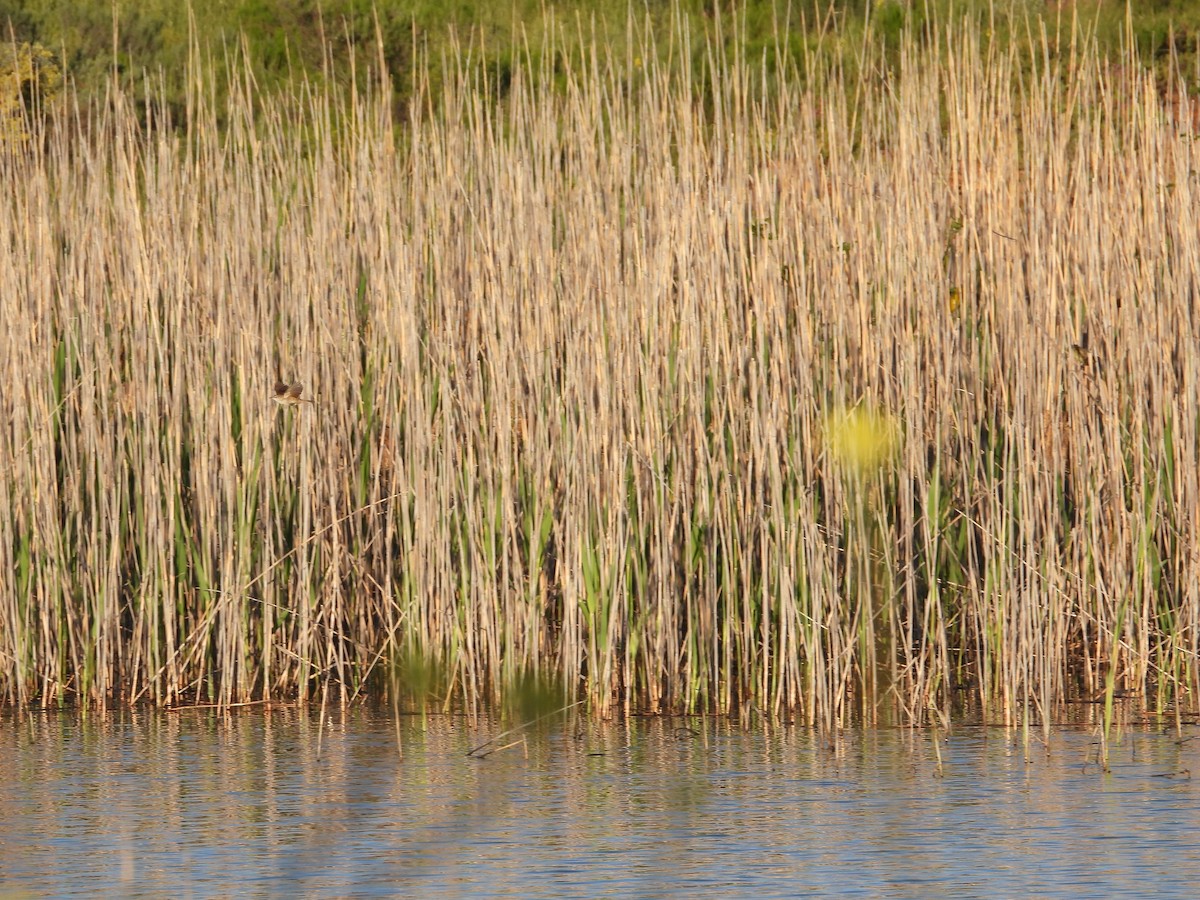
{"x": 572, "y": 357}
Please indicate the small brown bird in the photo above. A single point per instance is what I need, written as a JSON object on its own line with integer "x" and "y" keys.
{"x": 289, "y": 395}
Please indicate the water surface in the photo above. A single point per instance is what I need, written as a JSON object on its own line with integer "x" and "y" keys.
{"x": 268, "y": 803}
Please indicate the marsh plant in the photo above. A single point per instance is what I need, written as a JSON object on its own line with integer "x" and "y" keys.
{"x": 572, "y": 349}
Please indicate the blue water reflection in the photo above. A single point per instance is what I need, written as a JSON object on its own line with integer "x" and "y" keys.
{"x": 195, "y": 804}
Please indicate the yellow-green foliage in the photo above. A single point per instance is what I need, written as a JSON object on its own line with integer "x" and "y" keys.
{"x": 29, "y": 77}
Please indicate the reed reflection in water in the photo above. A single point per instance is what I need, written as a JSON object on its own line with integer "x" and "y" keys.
{"x": 199, "y": 804}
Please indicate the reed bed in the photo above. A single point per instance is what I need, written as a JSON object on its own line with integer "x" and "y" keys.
{"x": 706, "y": 385}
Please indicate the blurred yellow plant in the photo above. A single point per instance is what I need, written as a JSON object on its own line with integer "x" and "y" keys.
{"x": 861, "y": 438}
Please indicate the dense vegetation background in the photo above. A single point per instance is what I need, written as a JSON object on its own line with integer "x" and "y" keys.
{"x": 90, "y": 39}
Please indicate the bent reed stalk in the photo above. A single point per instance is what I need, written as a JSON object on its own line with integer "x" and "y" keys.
{"x": 573, "y": 355}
